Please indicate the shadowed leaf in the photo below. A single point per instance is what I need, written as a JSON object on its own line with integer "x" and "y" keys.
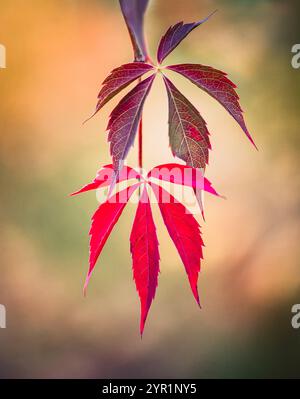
{"x": 174, "y": 36}
{"x": 215, "y": 83}
{"x": 118, "y": 79}
{"x": 188, "y": 134}
{"x": 124, "y": 121}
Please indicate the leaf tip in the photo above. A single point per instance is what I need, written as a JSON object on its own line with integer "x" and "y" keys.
{"x": 89, "y": 118}
{"x": 249, "y": 135}
{"x": 84, "y": 291}
{"x": 86, "y": 283}
{"x": 252, "y": 141}
{"x": 142, "y": 327}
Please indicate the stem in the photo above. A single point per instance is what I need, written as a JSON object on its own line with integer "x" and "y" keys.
{"x": 140, "y": 156}
{"x": 141, "y": 145}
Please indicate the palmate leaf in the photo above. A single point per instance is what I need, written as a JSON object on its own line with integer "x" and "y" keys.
{"x": 189, "y": 141}
{"x": 103, "y": 221}
{"x": 124, "y": 121}
{"x": 119, "y": 79}
{"x": 184, "y": 231}
{"x": 216, "y": 84}
{"x": 181, "y": 225}
{"x": 145, "y": 255}
{"x": 188, "y": 134}
{"x": 174, "y": 36}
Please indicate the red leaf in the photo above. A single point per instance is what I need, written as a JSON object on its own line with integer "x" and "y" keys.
{"x": 103, "y": 221}
{"x": 183, "y": 175}
{"x": 133, "y": 11}
{"x": 145, "y": 255}
{"x": 185, "y": 233}
{"x": 174, "y": 36}
{"x": 118, "y": 79}
{"x": 187, "y": 176}
{"x": 215, "y": 83}
{"x": 188, "y": 134}
{"x": 124, "y": 121}
{"x": 105, "y": 176}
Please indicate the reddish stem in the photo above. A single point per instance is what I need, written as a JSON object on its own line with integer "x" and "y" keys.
{"x": 141, "y": 145}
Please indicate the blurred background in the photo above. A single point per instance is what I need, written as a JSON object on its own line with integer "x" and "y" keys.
{"x": 58, "y": 53}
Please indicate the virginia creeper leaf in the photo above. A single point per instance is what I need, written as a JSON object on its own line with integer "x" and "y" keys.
{"x": 216, "y": 84}
{"x": 183, "y": 175}
{"x": 105, "y": 176}
{"x": 124, "y": 121}
{"x": 184, "y": 230}
{"x": 133, "y": 12}
{"x": 174, "y": 36}
{"x": 103, "y": 221}
{"x": 118, "y": 79}
{"x": 145, "y": 255}
{"x": 188, "y": 134}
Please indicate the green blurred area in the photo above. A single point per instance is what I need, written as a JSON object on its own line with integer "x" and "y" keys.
{"x": 58, "y": 53}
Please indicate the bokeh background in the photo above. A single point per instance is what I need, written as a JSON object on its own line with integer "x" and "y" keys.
{"x": 58, "y": 52}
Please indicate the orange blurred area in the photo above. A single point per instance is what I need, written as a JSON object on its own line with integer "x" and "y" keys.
{"x": 58, "y": 53}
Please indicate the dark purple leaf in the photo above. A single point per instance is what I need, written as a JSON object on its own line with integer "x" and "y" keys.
{"x": 133, "y": 11}
{"x": 216, "y": 84}
{"x": 174, "y": 35}
{"x": 188, "y": 134}
{"x": 124, "y": 121}
{"x": 118, "y": 79}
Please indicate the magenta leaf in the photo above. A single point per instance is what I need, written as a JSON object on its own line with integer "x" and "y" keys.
{"x": 184, "y": 230}
{"x": 124, "y": 121}
{"x": 183, "y": 175}
{"x": 118, "y": 79}
{"x": 174, "y": 36}
{"x": 186, "y": 176}
{"x": 188, "y": 134}
{"x": 145, "y": 255}
{"x": 105, "y": 176}
{"x": 133, "y": 12}
{"x": 216, "y": 84}
{"x": 103, "y": 222}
